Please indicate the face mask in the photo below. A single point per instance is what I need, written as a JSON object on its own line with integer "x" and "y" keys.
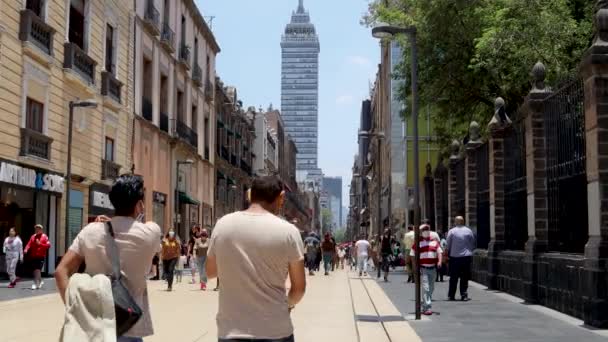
{"x": 426, "y": 234}
{"x": 171, "y": 234}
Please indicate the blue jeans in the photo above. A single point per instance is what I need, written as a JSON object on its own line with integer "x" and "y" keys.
{"x": 427, "y": 277}
{"x": 327, "y": 261}
{"x": 130, "y": 339}
{"x": 286, "y": 339}
{"x": 201, "y": 262}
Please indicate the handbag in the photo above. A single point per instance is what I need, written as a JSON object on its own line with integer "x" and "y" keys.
{"x": 127, "y": 311}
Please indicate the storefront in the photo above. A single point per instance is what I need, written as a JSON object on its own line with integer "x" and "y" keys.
{"x": 29, "y": 196}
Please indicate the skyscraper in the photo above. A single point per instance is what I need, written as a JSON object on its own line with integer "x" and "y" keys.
{"x": 300, "y": 90}
{"x": 333, "y": 187}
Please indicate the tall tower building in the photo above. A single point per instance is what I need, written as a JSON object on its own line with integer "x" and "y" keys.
{"x": 300, "y": 90}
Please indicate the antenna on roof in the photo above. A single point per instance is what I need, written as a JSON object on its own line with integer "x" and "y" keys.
{"x": 209, "y": 20}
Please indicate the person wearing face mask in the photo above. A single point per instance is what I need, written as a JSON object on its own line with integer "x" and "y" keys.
{"x": 171, "y": 250}
{"x": 252, "y": 251}
{"x": 137, "y": 244}
{"x": 201, "y": 245}
{"x": 13, "y": 251}
{"x": 430, "y": 259}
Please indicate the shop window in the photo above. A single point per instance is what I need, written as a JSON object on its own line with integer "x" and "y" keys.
{"x": 35, "y": 6}
{"x": 109, "y": 149}
{"x": 110, "y": 63}
{"x": 76, "y": 31}
{"x": 34, "y": 115}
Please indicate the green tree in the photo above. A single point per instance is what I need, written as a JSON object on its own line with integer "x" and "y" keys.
{"x": 472, "y": 51}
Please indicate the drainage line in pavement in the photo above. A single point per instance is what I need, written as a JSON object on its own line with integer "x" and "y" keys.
{"x": 376, "y": 309}
{"x": 352, "y": 303}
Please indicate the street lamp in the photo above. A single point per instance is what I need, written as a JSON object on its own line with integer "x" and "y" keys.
{"x": 385, "y": 31}
{"x": 177, "y": 215}
{"x": 91, "y": 103}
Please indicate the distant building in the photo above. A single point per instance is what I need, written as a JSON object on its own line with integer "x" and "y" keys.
{"x": 333, "y": 187}
{"x": 300, "y": 89}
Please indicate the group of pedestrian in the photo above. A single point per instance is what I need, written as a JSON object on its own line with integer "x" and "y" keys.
{"x": 35, "y": 252}
{"x": 326, "y": 251}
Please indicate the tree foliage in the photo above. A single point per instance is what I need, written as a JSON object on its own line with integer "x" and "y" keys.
{"x": 472, "y": 51}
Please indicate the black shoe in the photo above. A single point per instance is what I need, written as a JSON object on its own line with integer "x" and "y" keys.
{"x": 465, "y": 298}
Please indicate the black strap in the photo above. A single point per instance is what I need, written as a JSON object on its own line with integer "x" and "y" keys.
{"x": 112, "y": 251}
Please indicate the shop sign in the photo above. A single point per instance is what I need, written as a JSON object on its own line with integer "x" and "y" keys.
{"x": 19, "y": 175}
{"x": 99, "y": 200}
{"x": 159, "y": 197}
{"x": 102, "y": 200}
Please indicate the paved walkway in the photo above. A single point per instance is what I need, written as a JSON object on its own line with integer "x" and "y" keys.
{"x": 326, "y": 314}
{"x": 24, "y": 289}
{"x": 489, "y": 316}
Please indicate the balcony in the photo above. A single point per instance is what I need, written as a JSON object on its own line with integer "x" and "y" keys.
{"x": 152, "y": 18}
{"x": 245, "y": 167}
{"x": 36, "y": 144}
{"x": 146, "y": 109}
{"x": 209, "y": 91}
{"x": 197, "y": 75}
{"x": 110, "y": 86}
{"x": 184, "y": 56}
{"x": 225, "y": 154}
{"x": 167, "y": 38}
{"x": 109, "y": 170}
{"x": 233, "y": 160}
{"x": 164, "y": 122}
{"x": 186, "y": 133}
{"x": 34, "y": 30}
{"x": 77, "y": 60}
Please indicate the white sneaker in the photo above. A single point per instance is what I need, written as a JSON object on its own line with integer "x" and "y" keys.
{"x": 40, "y": 286}
{"x": 34, "y": 287}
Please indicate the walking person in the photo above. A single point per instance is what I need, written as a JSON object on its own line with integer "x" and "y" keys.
{"x": 35, "y": 250}
{"x": 430, "y": 258}
{"x": 386, "y": 251}
{"x": 328, "y": 248}
{"x": 201, "y": 246}
{"x": 252, "y": 251}
{"x": 179, "y": 268}
{"x": 195, "y": 233}
{"x": 408, "y": 242}
{"x": 311, "y": 245}
{"x": 171, "y": 251}
{"x": 341, "y": 256}
{"x": 13, "y": 251}
{"x": 137, "y": 243}
{"x": 460, "y": 245}
{"x": 362, "y": 248}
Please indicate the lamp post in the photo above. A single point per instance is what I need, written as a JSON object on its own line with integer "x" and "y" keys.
{"x": 177, "y": 215}
{"x": 384, "y": 31}
{"x": 68, "y": 173}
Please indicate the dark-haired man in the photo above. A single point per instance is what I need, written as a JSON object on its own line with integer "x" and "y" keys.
{"x": 252, "y": 251}
{"x": 137, "y": 244}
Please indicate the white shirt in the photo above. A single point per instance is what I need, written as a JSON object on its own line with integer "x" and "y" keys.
{"x": 362, "y": 247}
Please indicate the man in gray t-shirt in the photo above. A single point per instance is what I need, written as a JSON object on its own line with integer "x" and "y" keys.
{"x": 460, "y": 245}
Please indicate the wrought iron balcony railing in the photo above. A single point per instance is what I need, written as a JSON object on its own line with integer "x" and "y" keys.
{"x": 209, "y": 91}
{"x": 34, "y": 143}
{"x": 33, "y": 29}
{"x": 184, "y": 56}
{"x": 167, "y": 38}
{"x": 110, "y": 86}
{"x": 109, "y": 170}
{"x": 152, "y": 18}
{"x": 146, "y": 109}
{"x": 78, "y": 60}
{"x": 197, "y": 75}
{"x": 164, "y": 122}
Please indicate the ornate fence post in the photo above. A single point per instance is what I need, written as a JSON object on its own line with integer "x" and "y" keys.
{"x": 441, "y": 194}
{"x": 595, "y": 75}
{"x": 536, "y": 176}
{"x": 498, "y": 125}
{"x": 453, "y": 182}
{"x": 471, "y": 176}
{"x": 429, "y": 196}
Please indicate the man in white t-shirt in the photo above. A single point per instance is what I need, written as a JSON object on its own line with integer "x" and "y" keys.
{"x": 253, "y": 252}
{"x": 362, "y": 247}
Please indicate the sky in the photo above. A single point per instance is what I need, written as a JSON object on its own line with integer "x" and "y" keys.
{"x": 249, "y": 34}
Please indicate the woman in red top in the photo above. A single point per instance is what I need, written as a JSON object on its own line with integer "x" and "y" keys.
{"x": 36, "y": 250}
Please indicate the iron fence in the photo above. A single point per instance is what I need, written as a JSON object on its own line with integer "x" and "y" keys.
{"x": 566, "y": 170}
{"x": 516, "y": 207}
{"x": 483, "y": 195}
{"x": 440, "y": 178}
{"x": 460, "y": 200}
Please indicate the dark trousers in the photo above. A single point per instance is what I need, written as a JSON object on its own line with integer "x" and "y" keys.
{"x": 386, "y": 263}
{"x": 286, "y": 339}
{"x": 169, "y": 268}
{"x": 460, "y": 268}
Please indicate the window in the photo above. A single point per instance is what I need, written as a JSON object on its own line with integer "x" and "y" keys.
{"x": 195, "y": 61}
{"x": 183, "y": 30}
{"x": 180, "y": 106}
{"x": 35, "y": 6}
{"x": 110, "y": 49}
{"x": 109, "y": 149}
{"x": 166, "y": 10}
{"x": 76, "y": 32}
{"x": 206, "y": 132}
{"x": 34, "y": 115}
{"x": 194, "y": 118}
{"x": 208, "y": 68}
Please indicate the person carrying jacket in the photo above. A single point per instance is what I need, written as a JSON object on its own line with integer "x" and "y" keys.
{"x": 36, "y": 249}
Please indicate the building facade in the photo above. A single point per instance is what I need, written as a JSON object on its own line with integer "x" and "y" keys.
{"x": 234, "y": 154}
{"x": 300, "y": 88}
{"x": 333, "y": 187}
{"x": 174, "y": 53}
{"x": 53, "y": 53}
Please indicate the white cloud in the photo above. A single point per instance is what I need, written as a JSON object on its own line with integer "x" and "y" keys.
{"x": 344, "y": 100}
{"x": 359, "y": 61}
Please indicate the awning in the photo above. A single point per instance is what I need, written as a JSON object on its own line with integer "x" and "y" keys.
{"x": 186, "y": 199}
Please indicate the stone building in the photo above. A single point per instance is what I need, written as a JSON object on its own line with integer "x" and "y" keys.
{"x": 174, "y": 53}
{"x": 234, "y": 155}
{"x": 53, "y": 53}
